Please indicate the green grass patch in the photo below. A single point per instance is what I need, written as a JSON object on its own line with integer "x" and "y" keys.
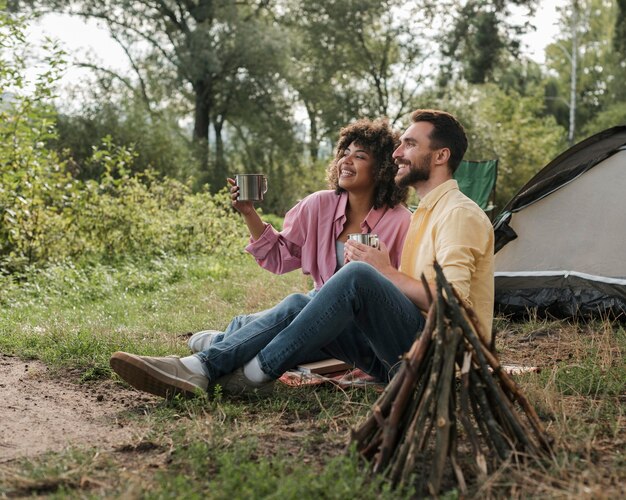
{"x": 77, "y": 316}
{"x": 292, "y": 445}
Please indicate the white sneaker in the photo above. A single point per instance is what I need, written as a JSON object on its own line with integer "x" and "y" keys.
{"x": 201, "y": 341}
{"x": 236, "y": 384}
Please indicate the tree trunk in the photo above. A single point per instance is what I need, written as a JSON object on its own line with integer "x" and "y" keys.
{"x": 574, "y": 70}
{"x": 313, "y": 140}
{"x": 220, "y": 172}
{"x": 201, "y": 125}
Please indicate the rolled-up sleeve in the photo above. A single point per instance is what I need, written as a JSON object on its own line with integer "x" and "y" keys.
{"x": 281, "y": 252}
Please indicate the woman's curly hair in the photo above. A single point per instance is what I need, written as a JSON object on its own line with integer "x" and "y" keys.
{"x": 378, "y": 138}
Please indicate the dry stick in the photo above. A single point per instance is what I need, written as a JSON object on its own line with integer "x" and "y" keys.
{"x": 516, "y": 392}
{"x": 423, "y": 410}
{"x": 370, "y": 450}
{"x": 509, "y": 419}
{"x": 510, "y": 384}
{"x": 479, "y": 352}
{"x": 386, "y": 399}
{"x": 480, "y": 422}
{"x": 494, "y": 431}
{"x": 381, "y": 407}
{"x": 422, "y": 361}
{"x": 513, "y": 428}
{"x": 418, "y": 430}
{"x": 429, "y": 295}
{"x": 442, "y": 440}
{"x": 412, "y": 362}
{"x": 454, "y": 460}
{"x": 400, "y": 456}
{"x": 417, "y": 417}
{"x": 463, "y": 414}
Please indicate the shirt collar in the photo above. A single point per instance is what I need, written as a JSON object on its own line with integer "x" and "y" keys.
{"x": 370, "y": 221}
{"x": 431, "y": 199}
{"x": 342, "y": 204}
{"x": 374, "y": 215}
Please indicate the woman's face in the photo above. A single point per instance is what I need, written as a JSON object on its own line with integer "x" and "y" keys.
{"x": 356, "y": 169}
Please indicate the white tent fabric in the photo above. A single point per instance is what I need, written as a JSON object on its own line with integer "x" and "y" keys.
{"x": 567, "y": 254}
{"x": 569, "y": 230}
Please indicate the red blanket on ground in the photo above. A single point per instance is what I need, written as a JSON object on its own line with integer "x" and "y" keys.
{"x": 349, "y": 378}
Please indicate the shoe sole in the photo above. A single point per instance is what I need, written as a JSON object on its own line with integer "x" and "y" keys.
{"x": 145, "y": 377}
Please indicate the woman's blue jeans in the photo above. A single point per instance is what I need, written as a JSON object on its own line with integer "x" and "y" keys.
{"x": 247, "y": 334}
{"x": 358, "y": 316}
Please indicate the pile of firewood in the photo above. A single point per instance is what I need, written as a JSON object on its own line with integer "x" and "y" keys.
{"x": 450, "y": 402}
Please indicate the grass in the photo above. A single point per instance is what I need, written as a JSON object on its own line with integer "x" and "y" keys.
{"x": 292, "y": 445}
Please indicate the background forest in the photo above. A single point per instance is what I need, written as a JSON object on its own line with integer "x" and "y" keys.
{"x": 117, "y": 233}
{"x": 130, "y": 164}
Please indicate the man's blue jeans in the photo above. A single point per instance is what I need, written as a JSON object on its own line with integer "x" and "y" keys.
{"x": 386, "y": 323}
{"x": 358, "y": 316}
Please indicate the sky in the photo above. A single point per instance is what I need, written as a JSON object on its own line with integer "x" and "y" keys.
{"x": 79, "y": 38}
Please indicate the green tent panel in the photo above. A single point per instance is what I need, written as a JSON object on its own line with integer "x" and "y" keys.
{"x": 477, "y": 180}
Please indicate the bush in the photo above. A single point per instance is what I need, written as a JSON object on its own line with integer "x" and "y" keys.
{"x": 49, "y": 217}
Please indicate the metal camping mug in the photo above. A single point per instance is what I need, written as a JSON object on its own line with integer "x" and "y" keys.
{"x": 252, "y": 187}
{"x": 369, "y": 239}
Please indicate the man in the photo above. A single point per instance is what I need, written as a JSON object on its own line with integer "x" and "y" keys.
{"x": 368, "y": 313}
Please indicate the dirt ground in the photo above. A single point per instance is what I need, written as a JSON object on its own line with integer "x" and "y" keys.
{"x": 42, "y": 412}
{"x": 39, "y": 413}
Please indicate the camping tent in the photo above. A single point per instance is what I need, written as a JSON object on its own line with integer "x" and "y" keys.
{"x": 561, "y": 241}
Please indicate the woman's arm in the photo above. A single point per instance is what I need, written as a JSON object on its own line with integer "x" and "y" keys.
{"x": 248, "y": 212}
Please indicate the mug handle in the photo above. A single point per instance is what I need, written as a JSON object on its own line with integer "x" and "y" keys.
{"x": 376, "y": 242}
{"x": 264, "y": 184}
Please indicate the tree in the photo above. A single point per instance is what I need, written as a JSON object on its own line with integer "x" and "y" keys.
{"x": 203, "y": 49}
{"x": 508, "y": 126}
{"x": 481, "y": 36}
{"x": 619, "y": 41}
{"x": 157, "y": 140}
{"x": 584, "y": 63}
{"x": 352, "y": 59}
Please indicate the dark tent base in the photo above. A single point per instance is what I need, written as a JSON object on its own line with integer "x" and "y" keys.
{"x": 559, "y": 303}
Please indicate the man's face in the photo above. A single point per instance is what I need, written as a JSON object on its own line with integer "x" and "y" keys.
{"x": 414, "y": 155}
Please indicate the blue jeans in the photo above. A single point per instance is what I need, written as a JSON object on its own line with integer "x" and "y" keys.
{"x": 358, "y": 316}
{"x": 247, "y": 334}
{"x": 238, "y": 322}
{"x": 361, "y": 318}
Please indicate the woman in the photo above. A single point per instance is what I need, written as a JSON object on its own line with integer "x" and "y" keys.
{"x": 363, "y": 198}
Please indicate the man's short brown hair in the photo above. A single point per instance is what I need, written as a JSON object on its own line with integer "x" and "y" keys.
{"x": 447, "y": 133}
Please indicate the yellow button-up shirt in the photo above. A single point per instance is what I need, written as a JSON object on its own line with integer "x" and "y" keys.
{"x": 450, "y": 228}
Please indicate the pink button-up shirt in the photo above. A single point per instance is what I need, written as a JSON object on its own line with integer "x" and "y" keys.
{"x": 310, "y": 230}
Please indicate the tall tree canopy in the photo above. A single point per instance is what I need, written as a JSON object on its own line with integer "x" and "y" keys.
{"x": 482, "y": 34}
{"x": 589, "y": 74}
{"x": 209, "y": 51}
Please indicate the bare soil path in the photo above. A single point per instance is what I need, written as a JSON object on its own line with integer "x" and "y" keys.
{"x": 40, "y": 413}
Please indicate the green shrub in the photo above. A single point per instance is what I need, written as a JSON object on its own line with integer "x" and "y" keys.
{"x": 48, "y": 217}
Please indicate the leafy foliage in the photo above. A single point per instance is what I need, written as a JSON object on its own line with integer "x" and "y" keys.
{"x": 587, "y": 37}
{"x": 157, "y": 140}
{"x": 49, "y": 216}
{"x": 507, "y": 126}
{"x": 482, "y": 34}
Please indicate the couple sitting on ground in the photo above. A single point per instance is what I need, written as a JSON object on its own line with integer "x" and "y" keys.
{"x": 368, "y": 304}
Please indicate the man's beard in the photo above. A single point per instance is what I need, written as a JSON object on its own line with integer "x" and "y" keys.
{"x": 417, "y": 173}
